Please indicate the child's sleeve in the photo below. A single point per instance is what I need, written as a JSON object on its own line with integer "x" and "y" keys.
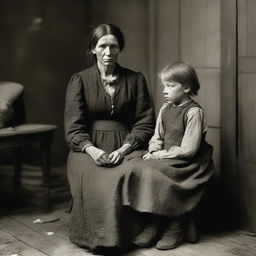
{"x": 156, "y": 142}
{"x": 195, "y": 127}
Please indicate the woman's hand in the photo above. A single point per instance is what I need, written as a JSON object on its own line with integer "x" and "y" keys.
{"x": 115, "y": 157}
{"x": 99, "y": 156}
{"x": 103, "y": 160}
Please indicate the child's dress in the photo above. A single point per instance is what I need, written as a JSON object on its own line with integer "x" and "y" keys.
{"x": 172, "y": 187}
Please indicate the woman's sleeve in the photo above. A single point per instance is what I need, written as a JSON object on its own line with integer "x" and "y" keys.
{"x": 195, "y": 127}
{"x": 75, "y": 129}
{"x": 143, "y": 126}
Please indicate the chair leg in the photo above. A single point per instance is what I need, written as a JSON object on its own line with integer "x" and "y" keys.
{"x": 17, "y": 167}
{"x": 45, "y": 154}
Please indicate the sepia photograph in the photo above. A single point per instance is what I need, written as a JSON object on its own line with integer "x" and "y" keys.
{"x": 127, "y": 127}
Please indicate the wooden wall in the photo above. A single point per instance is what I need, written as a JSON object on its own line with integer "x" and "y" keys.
{"x": 246, "y": 116}
{"x": 167, "y": 41}
{"x": 238, "y": 118}
{"x": 200, "y": 46}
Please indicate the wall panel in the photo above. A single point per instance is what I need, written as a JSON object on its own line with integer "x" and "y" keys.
{"x": 193, "y": 32}
{"x": 209, "y": 94}
{"x": 213, "y": 137}
{"x": 167, "y": 41}
{"x": 200, "y": 46}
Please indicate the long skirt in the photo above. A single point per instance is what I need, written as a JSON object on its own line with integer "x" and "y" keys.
{"x": 101, "y": 195}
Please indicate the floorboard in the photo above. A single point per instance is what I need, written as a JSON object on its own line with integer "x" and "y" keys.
{"x": 20, "y": 236}
{"x": 11, "y": 246}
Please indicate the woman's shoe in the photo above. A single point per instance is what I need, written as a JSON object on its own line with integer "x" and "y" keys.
{"x": 172, "y": 236}
{"x": 147, "y": 236}
{"x": 191, "y": 231}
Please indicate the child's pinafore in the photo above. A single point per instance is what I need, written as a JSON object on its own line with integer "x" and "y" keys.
{"x": 170, "y": 187}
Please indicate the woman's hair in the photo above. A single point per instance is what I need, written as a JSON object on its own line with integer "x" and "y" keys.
{"x": 183, "y": 73}
{"x": 103, "y": 30}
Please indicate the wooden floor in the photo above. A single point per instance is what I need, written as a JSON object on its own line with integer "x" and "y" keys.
{"x": 20, "y": 236}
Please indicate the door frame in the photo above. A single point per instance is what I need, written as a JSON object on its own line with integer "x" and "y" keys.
{"x": 229, "y": 98}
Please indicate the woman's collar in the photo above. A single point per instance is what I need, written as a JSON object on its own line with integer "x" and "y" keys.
{"x": 116, "y": 72}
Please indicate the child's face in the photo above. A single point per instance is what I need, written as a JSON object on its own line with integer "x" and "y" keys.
{"x": 175, "y": 92}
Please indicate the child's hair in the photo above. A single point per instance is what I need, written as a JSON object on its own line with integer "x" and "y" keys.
{"x": 183, "y": 73}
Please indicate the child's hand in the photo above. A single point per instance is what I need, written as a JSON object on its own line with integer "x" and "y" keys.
{"x": 147, "y": 156}
{"x": 157, "y": 155}
{"x": 156, "y": 146}
{"x": 171, "y": 153}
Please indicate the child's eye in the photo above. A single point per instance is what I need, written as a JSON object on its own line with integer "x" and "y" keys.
{"x": 170, "y": 85}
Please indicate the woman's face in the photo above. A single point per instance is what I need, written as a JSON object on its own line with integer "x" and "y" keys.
{"x": 107, "y": 50}
{"x": 175, "y": 92}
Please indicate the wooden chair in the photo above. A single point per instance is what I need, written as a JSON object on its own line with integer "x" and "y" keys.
{"x": 20, "y": 134}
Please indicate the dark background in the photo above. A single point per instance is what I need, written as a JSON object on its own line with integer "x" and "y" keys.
{"x": 42, "y": 44}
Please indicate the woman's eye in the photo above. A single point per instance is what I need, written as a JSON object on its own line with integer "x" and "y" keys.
{"x": 102, "y": 46}
{"x": 114, "y": 47}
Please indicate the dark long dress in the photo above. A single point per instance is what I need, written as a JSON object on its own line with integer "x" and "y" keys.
{"x": 96, "y": 216}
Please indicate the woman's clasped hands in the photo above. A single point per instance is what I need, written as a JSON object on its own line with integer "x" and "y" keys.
{"x": 108, "y": 160}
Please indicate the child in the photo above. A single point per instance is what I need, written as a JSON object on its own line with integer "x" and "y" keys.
{"x": 180, "y": 83}
{"x": 180, "y": 158}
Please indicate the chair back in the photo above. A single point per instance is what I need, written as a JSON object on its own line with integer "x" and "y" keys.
{"x": 19, "y": 111}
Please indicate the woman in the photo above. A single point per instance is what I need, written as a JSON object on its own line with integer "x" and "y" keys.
{"x": 108, "y": 115}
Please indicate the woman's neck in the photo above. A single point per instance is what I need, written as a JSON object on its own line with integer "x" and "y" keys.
{"x": 106, "y": 71}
